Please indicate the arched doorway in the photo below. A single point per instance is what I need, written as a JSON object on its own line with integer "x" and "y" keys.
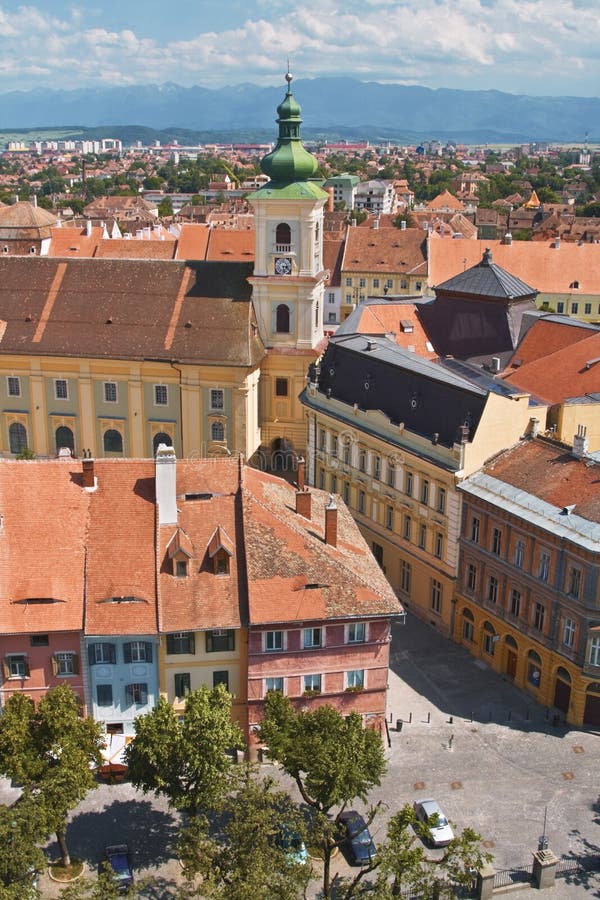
{"x": 512, "y": 655}
{"x": 591, "y": 714}
{"x": 64, "y": 438}
{"x": 161, "y": 438}
{"x": 562, "y": 690}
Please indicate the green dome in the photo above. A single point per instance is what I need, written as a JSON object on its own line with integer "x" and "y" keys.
{"x": 289, "y": 161}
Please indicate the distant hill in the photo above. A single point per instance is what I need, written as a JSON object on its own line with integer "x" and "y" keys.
{"x": 356, "y": 109}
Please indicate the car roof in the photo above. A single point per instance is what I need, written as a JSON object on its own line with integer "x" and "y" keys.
{"x": 429, "y": 805}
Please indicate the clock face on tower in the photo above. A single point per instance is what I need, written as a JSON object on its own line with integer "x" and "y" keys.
{"x": 283, "y": 266}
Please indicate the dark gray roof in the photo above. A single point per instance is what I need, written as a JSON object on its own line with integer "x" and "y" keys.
{"x": 486, "y": 280}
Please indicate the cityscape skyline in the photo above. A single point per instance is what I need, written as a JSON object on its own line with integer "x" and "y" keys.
{"x": 548, "y": 49}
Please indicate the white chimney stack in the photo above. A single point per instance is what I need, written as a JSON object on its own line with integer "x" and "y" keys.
{"x": 166, "y": 485}
{"x": 580, "y": 442}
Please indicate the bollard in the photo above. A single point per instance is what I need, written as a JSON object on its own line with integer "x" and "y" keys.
{"x": 399, "y": 724}
{"x": 450, "y": 741}
{"x": 391, "y": 718}
{"x": 451, "y": 720}
{"x": 428, "y": 718}
{"x": 409, "y": 718}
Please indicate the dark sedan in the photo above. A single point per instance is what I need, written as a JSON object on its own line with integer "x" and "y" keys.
{"x": 358, "y": 841}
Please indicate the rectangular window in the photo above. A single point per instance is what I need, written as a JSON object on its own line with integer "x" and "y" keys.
{"x": 334, "y": 445}
{"x": 17, "y": 666}
{"x": 405, "y": 577}
{"x": 376, "y": 282}
{"x": 102, "y": 654}
{"x": 346, "y": 454}
{"x": 274, "y": 684}
{"x": 389, "y": 518}
{"x": 539, "y": 616}
{"x": 391, "y": 474}
{"x": 425, "y": 492}
{"x": 331, "y": 317}
{"x": 357, "y": 633}
{"x": 322, "y": 479}
{"x": 281, "y": 387}
{"x": 161, "y": 395}
{"x": 346, "y": 492}
{"x": 515, "y": 603}
{"x": 137, "y": 651}
{"x": 333, "y": 485}
{"x": 61, "y": 389}
{"x": 13, "y": 386}
{"x": 181, "y": 642}
{"x": 389, "y": 283}
{"x": 104, "y": 694}
{"x": 574, "y": 582}
{"x": 221, "y": 677}
{"x": 217, "y": 397}
{"x": 312, "y": 638}
{"x": 220, "y": 640}
{"x": 436, "y": 595}
{"x": 492, "y": 589}
{"x": 519, "y": 554}
{"x": 39, "y": 640}
{"x": 441, "y": 500}
{"x": 489, "y": 642}
{"x": 362, "y": 461}
{"x": 471, "y": 577}
{"x": 182, "y": 684}
{"x": 355, "y": 678}
{"x": 361, "y": 501}
{"x": 348, "y": 298}
{"x": 331, "y": 297}
{"x": 377, "y": 467}
{"x": 439, "y": 545}
{"x": 407, "y": 528}
{"x": 110, "y": 392}
{"x": 321, "y": 439}
{"x": 408, "y": 484}
{"x": 348, "y": 282}
{"x": 362, "y": 282}
{"x": 496, "y": 541}
{"x": 574, "y": 308}
{"x": 475, "y": 526}
{"x": 312, "y": 683}
{"x": 560, "y": 307}
{"x": 594, "y": 654}
{"x": 273, "y": 641}
{"x": 423, "y": 536}
{"x": 136, "y": 694}
{"x": 568, "y": 632}
{"x": 378, "y": 553}
{"x": 468, "y": 630}
{"x": 588, "y": 309}
{"x": 544, "y": 566}
{"x": 65, "y": 663}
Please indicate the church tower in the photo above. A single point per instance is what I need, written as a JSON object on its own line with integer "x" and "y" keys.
{"x": 288, "y": 278}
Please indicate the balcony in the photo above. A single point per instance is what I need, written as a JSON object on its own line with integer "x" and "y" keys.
{"x": 283, "y": 248}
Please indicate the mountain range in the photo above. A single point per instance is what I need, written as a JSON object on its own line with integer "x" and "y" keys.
{"x": 342, "y": 107}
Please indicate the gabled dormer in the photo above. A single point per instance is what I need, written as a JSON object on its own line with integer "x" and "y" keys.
{"x": 220, "y": 551}
{"x": 179, "y": 554}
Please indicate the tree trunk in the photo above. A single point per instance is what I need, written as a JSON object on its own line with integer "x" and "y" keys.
{"x": 327, "y": 872}
{"x": 64, "y": 850}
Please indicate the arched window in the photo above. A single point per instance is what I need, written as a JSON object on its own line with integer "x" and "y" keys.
{"x": 113, "y": 441}
{"x": 17, "y": 435}
{"x": 534, "y": 668}
{"x": 161, "y": 438}
{"x": 283, "y": 236}
{"x": 64, "y": 438}
{"x": 510, "y": 642}
{"x": 217, "y": 431}
{"x": 283, "y": 319}
{"x": 563, "y": 674}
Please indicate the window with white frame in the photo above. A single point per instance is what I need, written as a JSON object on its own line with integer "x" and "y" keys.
{"x": 539, "y": 616}
{"x": 101, "y": 653}
{"x": 519, "y": 558}
{"x": 274, "y": 684}
{"x": 496, "y": 547}
{"x": 439, "y": 545}
{"x": 594, "y": 652}
{"x": 61, "y": 389}
{"x": 357, "y": 633}
{"x": 137, "y": 651}
{"x": 312, "y": 683}
{"x": 16, "y": 666}
{"x": 543, "y": 566}
{"x": 65, "y": 663}
{"x": 313, "y": 637}
{"x": 436, "y": 595}
{"x": 389, "y": 518}
{"x": 181, "y": 642}
{"x": 515, "y": 602}
{"x": 110, "y": 392}
{"x": 273, "y": 641}
{"x": 405, "y": 577}
{"x": 475, "y": 527}
{"x": 13, "y": 386}
{"x": 217, "y": 398}
{"x": 441, "y": 500}
{"x": 471, "y": 577}
{"x": 492, "y": 594}
{"x": 161, "y": 395}
{"x": 136, "y": 694}
{"x": 568, "y": 636}
{"x": 355, "y": 679}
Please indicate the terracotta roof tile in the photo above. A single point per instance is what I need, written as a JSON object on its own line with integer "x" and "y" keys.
{"x": 67, "y": 241}
{"x": 228, "y": 244}
{"x": 192, "y": 241}
{"x": 398, "y": 320}
{"x": 569, "y": 372}
{"x": 385, "y": 250}
{"x": 135, "y": 248}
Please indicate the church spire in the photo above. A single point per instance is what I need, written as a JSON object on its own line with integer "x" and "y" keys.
{"x": 289, "y": 162}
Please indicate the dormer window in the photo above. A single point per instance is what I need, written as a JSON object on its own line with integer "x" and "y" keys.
{"x": 179, "y": 553}
{"x": 220, "y": 551}
{"x": 221, "y": 563}
{"x": 181, "y": 568}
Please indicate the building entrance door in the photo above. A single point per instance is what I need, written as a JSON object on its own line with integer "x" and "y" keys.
{"x": 511, "y": 663}
{"x": 562, "y": 695}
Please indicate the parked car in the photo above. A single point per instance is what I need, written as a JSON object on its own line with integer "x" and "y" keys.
{"x": 358, "y": 841}
{"x": 430, "y": 813}
{"x": 292, "y": 845}
{"x": 117, "y": 855}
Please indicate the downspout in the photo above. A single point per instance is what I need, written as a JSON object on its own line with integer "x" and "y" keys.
{"x": 180, "y": 373}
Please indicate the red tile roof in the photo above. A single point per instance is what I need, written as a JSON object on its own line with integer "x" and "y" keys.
{"x": 386, "y": 250}
{"x": 546, "y": 336}
{"x": 396, "y": 321}
{"x": 572, "y": 371}
{"x": 228, "y": 244}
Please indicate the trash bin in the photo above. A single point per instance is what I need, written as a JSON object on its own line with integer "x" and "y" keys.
{"x": 399, "y": 724}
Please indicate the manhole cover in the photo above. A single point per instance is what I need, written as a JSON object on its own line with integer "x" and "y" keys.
{"x": 578, "y": 749}
{"x": 456, "y": 785}
{"x": 419, "y": 785}
{"x": 568, "y": 776}
{"x": 488, "y": 844}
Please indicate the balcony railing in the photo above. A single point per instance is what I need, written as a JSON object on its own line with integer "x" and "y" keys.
{"x": 283, "y": 248}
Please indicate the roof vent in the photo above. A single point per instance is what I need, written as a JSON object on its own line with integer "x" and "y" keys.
{"x": 567, "y": 510}
{"x": 199, "y": 496}
{"x": 495, "y": 364}
{"x": 371, "y": 345}
{"x": 407, "y": 326}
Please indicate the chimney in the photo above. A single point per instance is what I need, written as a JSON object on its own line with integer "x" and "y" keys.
{"x": 301, "y": 475}
{"x": 495, "y": 365}
{"x": 303, "y": 503}
{"x": 535, "y": 427}
{"x": 87, "y": 464}
{"x": 508, "y": 239}
{"x": 331, "y": 522}
{"x": 580, "y": 442}
{"x": 330, "y": 200}
{"x": 34, "y": 201}
{"x": 88, "y": 227}
{"x": 375, "y": 224}
{"x": 166, "y": 485}
{"x": 403, "y": 225}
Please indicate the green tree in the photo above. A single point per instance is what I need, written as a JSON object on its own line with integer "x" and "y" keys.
{"x": 246, "y": 858}
{"x": 165, "y": 207}
{"x": 104, "y": 887}
{"x": 332, "y": 758}
{"x": 49, "y": 750}
{"x": 404, "y": 217}
{"x": 22, "y": 830}
{"x": 187, "y": 761}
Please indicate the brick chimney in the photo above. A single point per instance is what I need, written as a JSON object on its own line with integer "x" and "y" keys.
{"x": 301, "y": 473}
{"x": 331, "y": 513}
{"x": 87, "y": 464}
{"x": 304, "y": 503}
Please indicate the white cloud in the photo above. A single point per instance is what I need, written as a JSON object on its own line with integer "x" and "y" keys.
{"x": 523, "y": 46}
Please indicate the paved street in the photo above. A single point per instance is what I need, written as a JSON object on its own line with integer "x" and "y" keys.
{"x": 499, "y": 777}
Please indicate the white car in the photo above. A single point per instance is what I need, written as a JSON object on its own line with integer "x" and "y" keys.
{"x": 430, "y": 813}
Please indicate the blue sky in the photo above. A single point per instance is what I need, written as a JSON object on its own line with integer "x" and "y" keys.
{"x": 540, "y": 47}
